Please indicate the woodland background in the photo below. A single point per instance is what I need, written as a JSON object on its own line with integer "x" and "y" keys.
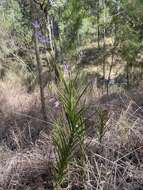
{"x": 71, "y": 95}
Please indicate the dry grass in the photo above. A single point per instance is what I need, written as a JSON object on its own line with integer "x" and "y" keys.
{"x": 27, "y": 169}
{"x": 15, "y": 99}
{"x": 116, "y": 163}
{"x": 20, "y": 115}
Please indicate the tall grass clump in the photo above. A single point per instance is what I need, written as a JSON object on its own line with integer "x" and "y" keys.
{"x": 69, "y": 131}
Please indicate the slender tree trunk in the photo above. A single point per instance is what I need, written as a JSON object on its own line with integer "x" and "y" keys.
{"x": 98, "y": 27}
{"x": 127, "y": 75}
{"x": 104, "y": 61}
{"x": 39, "y": 66}
{"x": 53, "y": 47}
{"x": 104, "y": 48}
{"x": 49, "y": 25}
{"x": 109, "y": 75}
{"x": 113, "y": 50}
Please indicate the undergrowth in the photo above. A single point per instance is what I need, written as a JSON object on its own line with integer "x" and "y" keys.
{"x": 68, "y": 136}
{"x": 63, "y": 155}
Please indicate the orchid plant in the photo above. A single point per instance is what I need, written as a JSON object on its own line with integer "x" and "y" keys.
{"x": 68, "y": 136}
{"x": 41, "y": 38}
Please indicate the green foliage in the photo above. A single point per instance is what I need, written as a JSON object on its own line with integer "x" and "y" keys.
{"x": 12, "y": 20}
{"x": 81, "y": 23}
{"x": 130, "y": 43}
{"x": 72, "y": 17}
{"x": 68, "y": 136}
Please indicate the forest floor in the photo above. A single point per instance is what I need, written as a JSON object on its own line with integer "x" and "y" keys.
{"x": 116, "y": 162}
{"x": 117, "y": 69}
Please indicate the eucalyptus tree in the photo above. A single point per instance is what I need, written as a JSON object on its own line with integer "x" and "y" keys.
{"x": 126, "y": 36}
{"x": 129, "y": 35}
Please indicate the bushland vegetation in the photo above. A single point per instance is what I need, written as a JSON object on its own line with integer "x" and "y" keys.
{"x": 71, "y": 94}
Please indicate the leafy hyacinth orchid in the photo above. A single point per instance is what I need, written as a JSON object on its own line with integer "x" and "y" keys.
{"x": 38, "y": 34}
{"x": 66, "y": 68}
{"x": 55, "y": 103}
{"x": 42, "y": 39}
{"x": 36, "y": 24}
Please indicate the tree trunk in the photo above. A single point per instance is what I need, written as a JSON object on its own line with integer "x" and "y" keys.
{"x": 39, "y": 66}
{"x": 53, "y": 47}
{"x": 98, "y": 21}
{"x": 54, "y": 53}
{"x": 127, "y": 75}
{"x": 104, "y": 48}
{"x": 109, "y": 75}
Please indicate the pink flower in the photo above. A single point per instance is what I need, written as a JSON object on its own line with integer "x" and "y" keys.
{"x": 66, "y": 68}
{"x": 36, "y": 24}
{"x": 56, "y": 104}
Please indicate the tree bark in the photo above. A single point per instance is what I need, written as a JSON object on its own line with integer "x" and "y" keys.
{"x": 104, "y": 48}
{"x": 109, "y": 75}
{"x": 98, "y": 27}
{"x": 39, "y": 68}
{"x": 53, "y": 47}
